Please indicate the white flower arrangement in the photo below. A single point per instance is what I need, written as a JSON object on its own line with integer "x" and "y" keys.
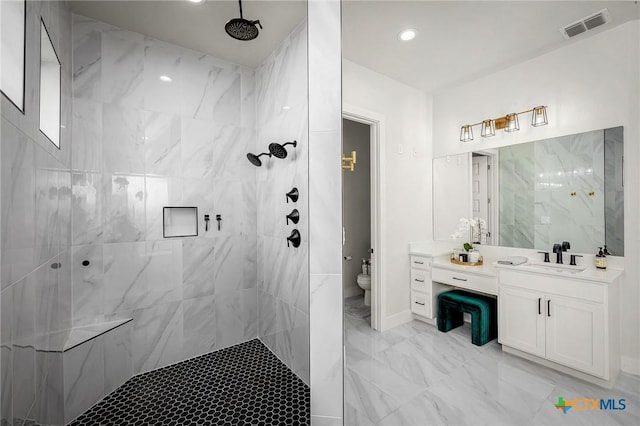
{"x": 475, "y": 228}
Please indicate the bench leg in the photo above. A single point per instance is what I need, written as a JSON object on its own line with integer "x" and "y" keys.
{"x": 449, "y": 316}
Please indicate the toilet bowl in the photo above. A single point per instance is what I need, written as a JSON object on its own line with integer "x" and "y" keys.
{"x": 364, "y": 282}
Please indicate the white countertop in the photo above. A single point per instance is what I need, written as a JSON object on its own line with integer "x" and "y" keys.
{"x": 608, "y": 275}
{"x": 443, "y": 262}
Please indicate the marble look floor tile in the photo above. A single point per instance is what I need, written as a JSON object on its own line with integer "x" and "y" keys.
{"x": 463, "y": 384}
{"x": 384, "y": 377}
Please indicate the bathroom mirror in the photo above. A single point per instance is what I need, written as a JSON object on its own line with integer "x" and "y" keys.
{"x": 12, "y": 42}
{"x": 535, "y": 194}
{"x": 49, "y": 88}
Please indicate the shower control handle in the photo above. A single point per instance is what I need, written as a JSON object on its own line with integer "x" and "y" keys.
{"x": 294, "y": 216}
{"x": 294, "y": 238}
{"x": 293, "y": 195}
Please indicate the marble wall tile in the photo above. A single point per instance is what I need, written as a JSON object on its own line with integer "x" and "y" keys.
{"x": 49, "y": 406}
{"x": 199, "y": 326}
{"x": 266, "y": 315}
{"x": 83, "y": 369}
{"x": 210, "y": 90}
{"x": 18, "y": 204}
{"x": 87, "y": 135}
{"x": 86, "y": 211}
{"x": 124, "y": 208}
{"x": 118, "y": 357}
{"x": 197, "y": 148}
{"x": 122, "y": 63}
{"x": 87, "y": 284}
{"x": 123, "y": 139}
{"x": 157, "y": 335}
{"x": 160, "y": 192}
{"x": 63, "y": 233}
{"x": 248, "y": 98}
{"x": 198, "y": 267}
{"x": 140, "y": 275}
{"x": 161, "y": 59}
{"x": 230, "y": 262}
{"x": 87, "y": 56}
{"x": 46, "y": 206}
{"x": 236, "y": 317}
{"x": 325, "y": 304}
{"x": 230, "y": 146}
{"x": 6, "y": 356}
{"x": 162, "y": 143}
{"x": 24, "y": 384}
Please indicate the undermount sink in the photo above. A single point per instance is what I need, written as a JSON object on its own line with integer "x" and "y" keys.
{"x": 556, "y": 267}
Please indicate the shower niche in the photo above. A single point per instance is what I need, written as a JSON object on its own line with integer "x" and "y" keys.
{"x": 179, "y": 222}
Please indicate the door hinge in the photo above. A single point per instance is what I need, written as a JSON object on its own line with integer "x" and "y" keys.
{"x": 488, "y": 200}
{"x": 488, "y": 166}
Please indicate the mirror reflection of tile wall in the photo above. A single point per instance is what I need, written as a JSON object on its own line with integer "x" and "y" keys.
{"x": 554, "y": 190}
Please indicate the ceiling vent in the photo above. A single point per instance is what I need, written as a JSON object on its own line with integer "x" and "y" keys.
{"x": 586, "y": 24}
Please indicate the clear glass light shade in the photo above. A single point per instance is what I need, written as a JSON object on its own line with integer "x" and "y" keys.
{"x": 466, "y": 134}
{"x": 539, "y": 116}
{"x": 488, "y": 129}
{"x": 512, "y": 123}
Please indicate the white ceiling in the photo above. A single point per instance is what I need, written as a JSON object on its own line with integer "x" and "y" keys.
{"x": 201, "y": 26}
{"x": 461, "y": 40}
{"x": 457, "y": 40}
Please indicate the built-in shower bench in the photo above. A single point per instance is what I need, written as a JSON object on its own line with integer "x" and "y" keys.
{"x": 79, "y": 366}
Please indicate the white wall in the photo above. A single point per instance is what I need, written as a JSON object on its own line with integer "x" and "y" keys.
{"x": 588, "y": 85}
{"x": 407, "y": 177}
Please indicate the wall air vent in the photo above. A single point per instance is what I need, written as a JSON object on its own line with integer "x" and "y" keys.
{"x": 585, "y": 24}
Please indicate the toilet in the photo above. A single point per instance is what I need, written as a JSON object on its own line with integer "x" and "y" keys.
{"x": 364, "y": 282}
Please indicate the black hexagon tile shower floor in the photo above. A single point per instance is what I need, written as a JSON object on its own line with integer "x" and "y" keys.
{"x": 242, "y": 385}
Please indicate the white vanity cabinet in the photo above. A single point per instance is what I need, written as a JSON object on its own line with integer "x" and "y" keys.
{"x": 563, "y": 320}
{"x": 421, "y": 300}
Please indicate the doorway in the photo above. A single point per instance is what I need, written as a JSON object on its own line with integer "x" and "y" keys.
{"x": 356, "y": 219}
{"x": 483, "y": 188}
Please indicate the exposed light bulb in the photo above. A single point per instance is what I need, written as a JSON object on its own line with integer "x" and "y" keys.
{"x": 408, "y": 34}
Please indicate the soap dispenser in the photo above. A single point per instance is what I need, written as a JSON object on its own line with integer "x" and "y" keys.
{"x": 601, "y": 259}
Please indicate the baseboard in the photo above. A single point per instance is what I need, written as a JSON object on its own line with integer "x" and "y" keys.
{"x": 630, "y": 365}
{"x": 395, "y": 320}
{"x": 352, "y": 291}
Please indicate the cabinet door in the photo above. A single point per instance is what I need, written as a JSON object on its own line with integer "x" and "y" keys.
{"x": 521, "y": 320}
{"x": 575, "y": 334}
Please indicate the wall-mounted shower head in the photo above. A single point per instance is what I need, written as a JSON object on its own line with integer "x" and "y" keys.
{"x": 255, "y": 159}
{"x": 242, "y": 29}
{"x": 279, "y": 151}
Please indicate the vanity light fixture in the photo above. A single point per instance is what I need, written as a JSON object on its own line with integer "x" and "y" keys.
{"x": 539, "y": 116}
{"x": 407, "y": 35}
{"x": 466, "y": 134}
{"x": 512, "y": 123}
{"x": 508, "y": 122}
{"x": 488, "y": 129}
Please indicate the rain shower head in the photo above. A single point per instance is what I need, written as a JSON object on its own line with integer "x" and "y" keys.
{"x": 279, "y": 151}
{"x": 242, "y": 29}
{"x": 255, "y": 159}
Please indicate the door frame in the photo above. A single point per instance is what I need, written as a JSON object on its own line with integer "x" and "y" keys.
{"x": 492, "y": 188}
{"x": 376, "y": 122}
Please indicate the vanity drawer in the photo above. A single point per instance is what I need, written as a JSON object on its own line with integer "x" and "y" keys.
{"x": 421, "y": 304}
{"x": 420, "y": 280}
{"x": 463, "y": 279}
{"x": 419, "y": 262}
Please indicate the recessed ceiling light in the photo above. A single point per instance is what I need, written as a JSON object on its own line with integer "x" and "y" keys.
{"x": 197, "y": 1}
{"x": 408, "y": 34}
{"x": 166, "y": 78}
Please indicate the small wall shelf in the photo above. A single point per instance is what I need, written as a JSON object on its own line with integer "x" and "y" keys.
{"x": 179, "y": 222}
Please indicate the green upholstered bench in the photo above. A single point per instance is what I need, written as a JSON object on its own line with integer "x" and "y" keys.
{"x": 484, "y": 322}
